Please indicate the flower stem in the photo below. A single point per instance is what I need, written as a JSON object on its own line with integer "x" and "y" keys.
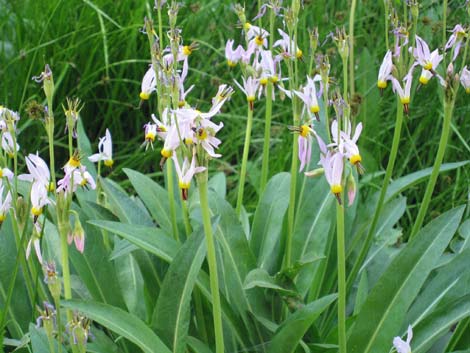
{"x": 388, "y": 175}
{"x": 448, "y": 108}
{"x": 64, "y": 247}
{"x": 246, "y": 147}
{"x": 171, "y": 198}
{"x": 352, "y": 14}
{"x": 6, "y": 307}
{"x": 386, "y": 25}
{"x": 267, "y": 136}
{"x": 212, "y": 261}
{"x": 341, "y": 278}
{"x": 444, "y": 22}
{"x": 187, "y": 224}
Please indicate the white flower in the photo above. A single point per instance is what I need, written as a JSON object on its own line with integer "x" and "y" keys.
{"x": 465, "y": 79}
{"x": 38, "y": 198}
{"x": 38, "y": 171}
{"x": 5, "y": 204}
{"x": 309, "y": 97}
{"x": 385, "y": 70}
{"x": 289, "y": 48}
{"x": 333, "y": 165}
{"x": 8, "y": 144}
{"x": 149, "y": 84}
{"x": 232, "y": 56}
{"x": 403, "y": 346}
{"x": 429, "y": 61}
{"x": 404, "y": 93}
{"x": 105, "y": 148}
{"x": 455, "y": 40}
{"x": 186, "y": 173}
{"x": 250, "y": 86}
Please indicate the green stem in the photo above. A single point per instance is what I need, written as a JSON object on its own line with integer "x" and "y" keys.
{"x": 341, "y": 278}
{"x": 212, "y": 261}
{"x": 444, "y": 22}
{"x": 448, "y": 108}
{"x": 59, "y": 323}
{"x": 187, "y": 224}
{"x": 388, "y": 175}
{"x": 293, "y": 188}
{"x": 246, "y": 148}
{"x": 50, "y": 136}
{"x": 386, "y": 24}
{"x": 352, "y": 14}
{"x": 267, "y": 136}
{"x": 345, "y": 83}
{"x": 171, "y": 197}
{"x": 64, "y": 247}
{"x": 6, "y": 307}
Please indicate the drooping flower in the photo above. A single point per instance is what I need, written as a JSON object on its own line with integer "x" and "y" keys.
{"x": 309, "y": 97}
{"x": 185, "y": 174}
{"x": 304, "y": 143}
{"x": 350, "y": 148}
{"x": 77, "y": 236}
{"x": 149, "y": 84}
{"x": 8, "y": 145}
{"x": 232, "y": 56}
{"x": 385, "y": 71}
{"x": 250, "y": 86}
{"x": 456, "y": 40}
{"x": 404, "y": 93}
{"x": 105, "y": 148}
{"x": 288, "y": 46}
{"x": 38, "y": 171}
{"x": 38, "y": 198}
{"x": 7, "y": 173}
{"x": 5, "y": 204}
{"x": 465, "y": 79}
{"x": 35, "y": 241}
{"x": 332, "y": 164}
{"x": 403, "y": 346}
{"x": 75, "y": 178}
{"x": 205, "y": 136}
{"x": 429, "y": 61}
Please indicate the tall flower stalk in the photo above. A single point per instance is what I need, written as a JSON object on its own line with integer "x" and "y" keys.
{"x": 212, "y": 261}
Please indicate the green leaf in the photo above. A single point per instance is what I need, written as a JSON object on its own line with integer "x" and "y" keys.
{"x": 268, "y": 219}
{"x": 438, "y": 324}
{"x": 153, "y": 240}
{"x": 171, "y": 315}
{"x": 121, "y": 322}
{"x": 39, "y": 341}
{"x": 311, "y": 229}
{"x": 93, "y": 267}
{"x": 385, "y": 308}
{"x": 153, "y": 196}
{"x": 218, "y": 183}
{"x": 19, "y": 312}
{"x": 406, "y": 181}
{"x": 123, "y": 206}
{"x": 197, "y": 346}
{"x": 131, "y": 283}
{"x": 236, "y": 257}
{"x": 294, "y": 327}
{"x": 261, "y": 278}
{"x": 445, "y": 281}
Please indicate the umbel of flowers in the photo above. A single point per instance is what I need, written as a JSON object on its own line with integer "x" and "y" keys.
{"x": 186, "y": 134}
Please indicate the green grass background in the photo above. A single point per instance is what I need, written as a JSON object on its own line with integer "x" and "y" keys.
{"x": 97, "y": 53}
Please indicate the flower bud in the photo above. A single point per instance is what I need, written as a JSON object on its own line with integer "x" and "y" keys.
{"x": 315, "y": 173}
{"x": 52, "y": 280}
{"x": 414, "y": 8}
{"x": 352, "y": 188}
